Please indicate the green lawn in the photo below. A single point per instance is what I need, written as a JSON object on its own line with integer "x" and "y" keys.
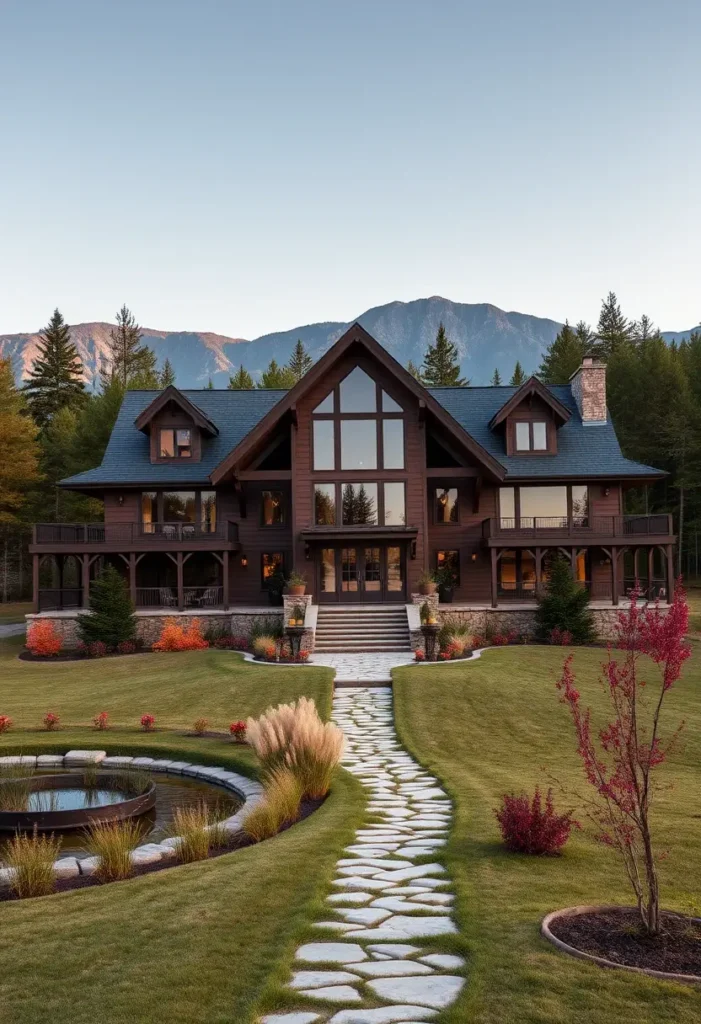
{"x": 497, "y": 726}
{"x": 693, "y": 596}
{"x": 14, "y": 611}
{"x": 198, "y": 943}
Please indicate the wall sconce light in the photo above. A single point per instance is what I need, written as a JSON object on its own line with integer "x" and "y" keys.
{"x": 473, "y": 556}
{"x": 120, "y": 499}
{"x": 607, "y": 491}
{"x": 307, "y": 552}
{"x": 244, "y": 561}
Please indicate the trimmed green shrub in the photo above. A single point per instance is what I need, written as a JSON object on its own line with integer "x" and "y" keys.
{"x": 564, "y": 607}
{"x": 112, "y": 620}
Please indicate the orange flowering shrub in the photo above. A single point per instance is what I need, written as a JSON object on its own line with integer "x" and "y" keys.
{"x": 175, "y": 637}
{"x": 42, "y": 638}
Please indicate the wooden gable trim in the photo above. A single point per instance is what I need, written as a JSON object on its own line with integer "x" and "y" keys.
{"x": 532, "y": 387}
{"x": 356, "y": 335}
{"x": 172, "y": 394}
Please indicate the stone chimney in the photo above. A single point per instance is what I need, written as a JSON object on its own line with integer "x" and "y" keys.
{"x": 588, "y": 385}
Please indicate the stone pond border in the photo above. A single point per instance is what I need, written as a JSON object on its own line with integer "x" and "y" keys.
{"x": 249, "y": 790}
{"x": 564, "y": 947}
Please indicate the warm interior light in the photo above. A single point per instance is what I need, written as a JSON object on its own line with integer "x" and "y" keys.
{"x": 474, "y": 556}
{"x": 244, "y": 562}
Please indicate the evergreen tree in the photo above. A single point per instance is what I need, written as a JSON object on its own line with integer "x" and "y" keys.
{"x": 95, "y": 424}
{"x": 518, "y": 377}
{"x": 210, "y": 384}
{"x": 133, "y": 364}
{"x": 241, "y": 381}
{"x": 55, "y": 380}
{"x": 496, "y": 379}
{"x": 19, "y": 465}
{"x": 441, "y": 365}
{"x": 167, "y": 376}
{"x": 358, "y": 507}
{"x": 112, "y": 619}
{"x": 613, "y": 329}
{"x": 300, "y": 361}
{"x": 277, "y": 377}
{"x": 563, "y": 357}
{"x": 415, "y": 371}
{"x": 564, "y": 605}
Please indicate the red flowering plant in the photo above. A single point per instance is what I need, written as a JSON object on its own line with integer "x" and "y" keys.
{"x": 531, "y": 826}
{"x": 560, "y": 637}
{"x": 621, "y": 761}
{"x": 419, "y": 655}
{"x": 101, "y": 721}
{"x": 148, "y": 723}
{"x": 126, "y": 647}
{"x": 51, "y": 721}
{"x": 303, "y": 655}
{"x": 238, "y": 731}
{"x": 5, "y": 723}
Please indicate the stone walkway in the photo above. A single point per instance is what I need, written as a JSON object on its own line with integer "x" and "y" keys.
{"x": 12, "y": 629}
{"x": 364, "y": 668}
{"x": 389, "y": 892}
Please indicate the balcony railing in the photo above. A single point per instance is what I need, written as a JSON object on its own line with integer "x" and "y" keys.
{"x": 599, "y": 590}
{"x": 579, "y": 527}
{"x": 78, "y": 534}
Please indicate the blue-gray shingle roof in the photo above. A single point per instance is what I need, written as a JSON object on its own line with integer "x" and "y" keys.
{"x": 583, "y": 451}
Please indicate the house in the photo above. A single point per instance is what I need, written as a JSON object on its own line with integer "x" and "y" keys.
{"x": 359, "y": 478}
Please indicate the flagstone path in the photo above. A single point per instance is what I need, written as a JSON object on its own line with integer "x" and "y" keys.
{"x": 389, "y": 891}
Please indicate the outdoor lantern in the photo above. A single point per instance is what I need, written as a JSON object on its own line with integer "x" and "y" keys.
{"x": 244, "y": 561}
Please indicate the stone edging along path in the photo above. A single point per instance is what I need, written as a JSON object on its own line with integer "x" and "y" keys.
{"x": 376, "y": 970}
{"x": 150, "y": 853}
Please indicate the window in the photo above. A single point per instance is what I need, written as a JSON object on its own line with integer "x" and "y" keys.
{"x": 208, "y": 511}
{"x": 358, "y": 444}
{"x": 395, "y": 501}
{"x": 323, "y": 445}
{"x": 175, "y": 444}
{"x": 272, "y": 565}
{"x": 326, "y": 405}
{"x": 325, "y": 504}
{"x": 359, "y": 505}
{"x": 580, "y": 504}
{"x": 393, "y": 444}
{"x": 389, "y": 404}
{"x": 149, "y": 510}
{"x": 179, "y": 507}
{"x": 328, "y": 570}
{"x": 531, "y": 436}
{"x": 507, "y": 508}
{"x": 358, "y": 392}
{"x": 543, "y": 507}
{"x": 449, "y": 560}
{"x": 272, "y": 508}
{"x": 508, "y": 575}
{"x": 446, "y": 505}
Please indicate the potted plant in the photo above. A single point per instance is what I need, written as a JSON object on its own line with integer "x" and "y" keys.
{"x": 446, "y": 578}
{"x": 296, "y": 583}
{"x": 297, "y": 617}
{"x": 427, "y": 582}
{"x": 275, "y": 585}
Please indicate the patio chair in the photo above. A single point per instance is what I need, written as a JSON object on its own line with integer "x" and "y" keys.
{"x": 167, "y": 597}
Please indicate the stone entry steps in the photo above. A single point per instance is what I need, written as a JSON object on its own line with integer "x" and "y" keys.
{"x": 343, "y": 628}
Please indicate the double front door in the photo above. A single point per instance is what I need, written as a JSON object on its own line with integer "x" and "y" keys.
{"x": 362, "y": 573}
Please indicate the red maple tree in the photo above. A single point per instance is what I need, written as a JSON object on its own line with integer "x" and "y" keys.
{"x": 620, "y": 762}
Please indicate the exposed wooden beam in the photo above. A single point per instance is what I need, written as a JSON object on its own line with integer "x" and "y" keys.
{"x": 457, "y": 471}
{"x": 264, "y": 474}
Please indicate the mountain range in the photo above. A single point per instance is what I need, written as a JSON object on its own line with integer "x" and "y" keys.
{"x": 486, "y": 337}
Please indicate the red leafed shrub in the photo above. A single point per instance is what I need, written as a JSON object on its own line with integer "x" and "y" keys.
{"x": 5, "y": 723}
{"x": 560, "y": 637}
{"x": 126, "y": 647}
{"x": 200, "y": 726}
{"x": 97, "y": 649}
{"x": 231, "y": 643}
{"x": 43, "y": 640}
{"x": 419, "y": 655}
{"x": 101, "y": 721}
{"x": 175, "y": 637}
{"x": 238, "y": 731}
{"x": 303, "y": 656}
{"x": 531, "y": 826}
{"x": 148, "y": 723}
{"x": 477, "y": 642}
{"x": 51, "y": 721}
{"x": 502, "y": 639}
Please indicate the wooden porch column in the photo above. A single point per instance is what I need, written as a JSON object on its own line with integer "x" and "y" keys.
{"x": 650, "y": 571}
{"x": 85, "y": 563}
{"x": 35, "y": 583}
{"x": 538, "y": 569}
{"x": 132, "y": 577}
{"x": 225, "y": 578}
{"x": 181, "y": 592}
{"x": 494, "y": 577}
{"x": 614, "y": 573}
{"x": 670, "y": 572}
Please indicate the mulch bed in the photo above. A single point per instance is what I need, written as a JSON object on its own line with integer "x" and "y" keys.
{"x": 237, "y": 842}
{"x": 619, "y": 936}
{"x": 76, "y": 656}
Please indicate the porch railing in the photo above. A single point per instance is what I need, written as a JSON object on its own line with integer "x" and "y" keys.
{"x": 579, "y": 526}
{"x": 76, "y": 534}
{"x": 58, "y": 599}
{"x": 167, "y": 597}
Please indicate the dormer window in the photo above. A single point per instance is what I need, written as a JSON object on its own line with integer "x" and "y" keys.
{"x": 175, "y": 443}
{"x": 531, "y": 436}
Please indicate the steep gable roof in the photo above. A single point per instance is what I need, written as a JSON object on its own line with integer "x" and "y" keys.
{"x": 179, "y": 398}
{"x": 531, "y": 387}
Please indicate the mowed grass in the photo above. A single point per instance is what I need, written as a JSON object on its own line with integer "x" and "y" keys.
{"x": 175, "y": 688}
{"x": 198, "y": 943}
{"x": 693, "y": 596}
{"x": 497, "y": 726}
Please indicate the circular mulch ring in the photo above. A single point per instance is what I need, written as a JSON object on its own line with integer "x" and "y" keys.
{"x": 612, "y": 936}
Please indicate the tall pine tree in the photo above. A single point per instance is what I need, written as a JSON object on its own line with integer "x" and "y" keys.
{"x": 613, "y": 329}
{"x": 276, "y": 376}
{"x": 55, "y": 380}
{"x": 133, "y": 364}
{"x": 300, "y": 361}
{"x": 563, "y": 357}
{"x": 441, "y": 365}
{"x": 415, "y": 371}
{"x": 518, "y": 377}
{"x": 496, "y": 378}
{"x": 241, "y": 381}
{"x": 167, "y": 376}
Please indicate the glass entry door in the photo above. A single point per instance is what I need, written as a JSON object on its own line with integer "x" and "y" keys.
{"x": 362, "y": 573}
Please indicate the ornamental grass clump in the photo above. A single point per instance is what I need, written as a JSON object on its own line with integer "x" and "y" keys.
{"x": 198, "y": 832}
{"x": 293, "y": 736}
{"x": 15, "y": 787}
{"x": 32, "y": 858}
{"x": 531, "y": 826}
{"x": 265, "y": 646}
{"x": 112, "y": 843}
{"x": 280, "y": 805}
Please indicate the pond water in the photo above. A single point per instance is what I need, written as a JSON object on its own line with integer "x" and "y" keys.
{"x": 172, "y": 791}
{"x": 73, "y": 799}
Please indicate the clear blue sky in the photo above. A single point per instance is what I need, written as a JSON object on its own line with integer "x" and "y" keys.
{"x": 249, "y": 167}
